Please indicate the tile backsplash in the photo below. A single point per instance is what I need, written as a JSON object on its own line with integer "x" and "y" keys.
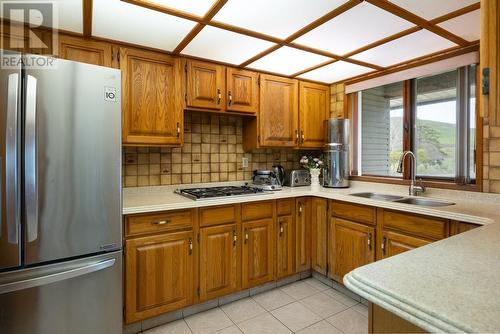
{"x": 212, "y": 152}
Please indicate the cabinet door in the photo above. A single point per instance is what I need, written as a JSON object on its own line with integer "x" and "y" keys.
{"x": 258, "y": 252}
{"x": 394, "y": 243}
{"x": 278, "y": 117}
{"x": 85, "y": 51}
{"x": 285, "y": 250}
{"x": 158, "y": 274}
{"x": 319, "y": 224}
{"x": 205, "y": 85}
{"x": 242, "y": 90}
{"x": 353, "y": 246}
{"x": 220, "y": 261}
{"x": 314, "y": 109}
{"x": 151, "y": 98}
{"x": 303, "y": 234}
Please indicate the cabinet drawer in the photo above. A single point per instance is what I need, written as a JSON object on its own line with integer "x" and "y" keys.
{"x": 257, "y": 210}
{"x": 165, "y": 221}
{"x": 427, "y": 227}
{"x": 356, "y": 212}
{"x": 284, "y": 206}
{"x": 219, "y": 215}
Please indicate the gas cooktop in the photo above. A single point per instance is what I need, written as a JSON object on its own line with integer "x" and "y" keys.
{"x": 218, "y": 192}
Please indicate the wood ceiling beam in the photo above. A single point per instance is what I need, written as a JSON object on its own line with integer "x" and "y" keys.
{"x": 165, "y": 10}
{"x": 312, "y": 68}
{"x": 417, "y": 20}
{"x": 87, "y": 17}
{"x": 200, "y": 25}
{"x": 288, "y": 41}
{"x": 437, "y": 56}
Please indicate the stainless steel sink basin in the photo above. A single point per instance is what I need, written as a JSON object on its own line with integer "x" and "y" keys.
{"x": 377, "y": 196}
{"x": 423, "y": 201}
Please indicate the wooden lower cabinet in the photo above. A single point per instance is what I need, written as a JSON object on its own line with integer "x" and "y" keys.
{"x": 258, "y": 252}
{"x": 394, "y": 243}
{"x": 353, "y": 246}
{"x": 303, "y": 234}
{"x": 319, "y": 235}
{"x": 385, "y": 322}
{"x": 285, "y": 246}
{"x": 159, "y": 273}
{"x": 220, "y": 261}
{"x": 460, "y": 227}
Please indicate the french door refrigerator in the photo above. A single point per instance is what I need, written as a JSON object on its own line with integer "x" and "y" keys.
{"x": 60, "y": 214}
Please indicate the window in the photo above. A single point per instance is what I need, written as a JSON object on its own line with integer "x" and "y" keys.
{"x": 433, "y": 116}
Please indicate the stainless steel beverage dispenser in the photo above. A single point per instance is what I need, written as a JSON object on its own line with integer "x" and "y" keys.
{"x": 336, "y": 151}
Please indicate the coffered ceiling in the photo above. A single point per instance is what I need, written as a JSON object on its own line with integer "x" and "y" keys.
{"x": 321, "y": 40}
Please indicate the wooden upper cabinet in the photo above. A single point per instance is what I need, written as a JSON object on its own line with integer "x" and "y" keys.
{"x": 151, "y": 98}
{"x": 394, "y": 243}
{"x": 353, "y": 246}
{"x": 258, "y": 252}
{"x": 303, "y": 234}
{"x": 159, "y": 274}
{"x": 205, "y": 85}
{"x": 314, "y": 109}
{"x": 86, "y": 51}
{"x": 220, "y": 260}
{"x": 319, "y": 228}
{"x": 285, "y": 250}
{"x": 278, "y": 117}
{"x": 242, "y": 90}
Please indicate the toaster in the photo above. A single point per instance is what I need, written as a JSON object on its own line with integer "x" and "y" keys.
{"x": 297, "y": 178}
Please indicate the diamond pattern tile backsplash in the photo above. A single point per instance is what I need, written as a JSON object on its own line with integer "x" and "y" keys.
{"x": 212, "y": 152}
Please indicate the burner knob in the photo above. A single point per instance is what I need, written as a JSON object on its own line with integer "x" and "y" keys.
{"x": 272, "y": 187}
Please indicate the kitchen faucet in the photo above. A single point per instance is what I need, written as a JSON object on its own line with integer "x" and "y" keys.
{"x": 414, "y": 188}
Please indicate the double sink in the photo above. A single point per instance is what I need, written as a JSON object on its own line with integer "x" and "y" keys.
{"x": 402, "y": 199}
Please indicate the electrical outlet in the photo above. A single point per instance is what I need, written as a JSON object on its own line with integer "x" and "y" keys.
{"x": 244, "y": 162}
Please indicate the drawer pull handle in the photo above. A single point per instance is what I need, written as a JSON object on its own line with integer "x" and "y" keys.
{"x": 161, "y": 222}
{"x": 230, "y": 98}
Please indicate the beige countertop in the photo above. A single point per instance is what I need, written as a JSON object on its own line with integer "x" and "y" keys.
{"x": 452, "y": 285}
{"x": 470, "y": 207}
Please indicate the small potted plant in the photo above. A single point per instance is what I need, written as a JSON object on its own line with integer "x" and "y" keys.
{"x": 314, "y": 166}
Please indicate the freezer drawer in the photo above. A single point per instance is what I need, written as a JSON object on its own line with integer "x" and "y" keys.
{"x": 80, "y": 296}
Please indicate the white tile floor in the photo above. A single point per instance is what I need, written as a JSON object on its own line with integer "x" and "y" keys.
{"x": 305, "y": 307}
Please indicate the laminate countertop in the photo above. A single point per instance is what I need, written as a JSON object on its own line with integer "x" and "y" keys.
{"x": 452, "y": 285}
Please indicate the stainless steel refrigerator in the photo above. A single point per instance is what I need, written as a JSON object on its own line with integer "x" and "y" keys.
{"x": 60, "y": 219}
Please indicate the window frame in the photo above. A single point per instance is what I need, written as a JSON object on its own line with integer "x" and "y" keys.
{"x": 409, "y": 113}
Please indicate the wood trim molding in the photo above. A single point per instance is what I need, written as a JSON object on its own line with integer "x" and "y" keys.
{"x": 87, "y": 17}
{"x": 417, "y": 20}
{"x": 199, "y": 26}
{"x": 452, "y": 52}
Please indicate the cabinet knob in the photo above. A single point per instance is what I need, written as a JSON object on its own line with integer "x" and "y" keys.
{"x": 190, "y": 246}
{"x": 178, "y": 129}
{"x": 235, "y": 238}
{"x": 246, "y": 236}
{"x": 230, "y": 97}
{"x": 384, "y": 240}
{"x": 369, "y": 241}
{"x": 219, "y": 96}
{"x": 296, "y": 136}
{"x": 281, "y": 229}
{"x": 302, "y": 138}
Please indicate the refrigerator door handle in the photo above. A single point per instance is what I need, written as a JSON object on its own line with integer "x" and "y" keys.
{"x": 30, "y": 177}
{"x": 56, "y": 277}
{"x": 11, "y": 181}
